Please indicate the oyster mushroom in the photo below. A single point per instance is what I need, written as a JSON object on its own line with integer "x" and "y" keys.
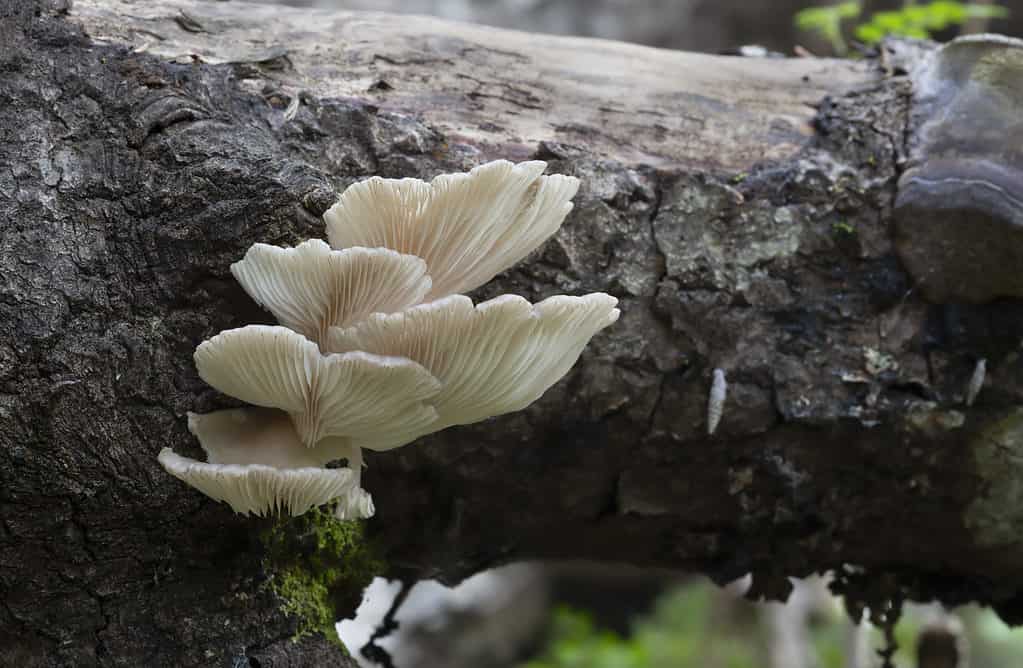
{"x": 494, "y": 358}
{"x": 379, "y": 367}
{"x": 310, "y": 287}
{"x": 468, "y": 227}
{"x": 356, "y": 394}
{"x": 257, "y": 464}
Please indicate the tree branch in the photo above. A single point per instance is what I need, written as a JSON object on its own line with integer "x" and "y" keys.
{"x": 741, "y": 210}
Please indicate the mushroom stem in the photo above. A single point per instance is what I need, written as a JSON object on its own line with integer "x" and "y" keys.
{"x": 356, "y": 462}
{"x": 357, "y": 503}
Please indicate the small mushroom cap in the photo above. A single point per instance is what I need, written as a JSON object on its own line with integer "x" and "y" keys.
{"x": 258, "y": 489}
{"x": 468, "y": 227}
{"x": 310, "y": 287}
{"x": 354, "y": 395}
{"x": 492, "y": 359}
{"x": 251, "y": 436}
{"x": 959, "y": 207}
{"x": 356, "y": 505}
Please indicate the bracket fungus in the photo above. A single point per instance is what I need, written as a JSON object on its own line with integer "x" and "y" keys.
{"x": 959, "y": 208}
{"x": 376, "y": 346}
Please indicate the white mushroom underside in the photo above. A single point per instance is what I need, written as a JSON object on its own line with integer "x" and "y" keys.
{"x": 266, "y": 437}
{"x": 261, "y": 490}
{"x": 492, "y": 359}
{"x": 310, "y": 287}
{"x": 389, "y": 371}
{"x": 251, "y": 436}
{"x": 468, "y": 227}
{"x": 356, "y": 394}
{"x": 356, "y": 505}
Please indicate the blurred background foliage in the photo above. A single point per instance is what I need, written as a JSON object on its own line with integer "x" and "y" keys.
{"x": 698, "y": 625}
{"x": 835, "y": 22}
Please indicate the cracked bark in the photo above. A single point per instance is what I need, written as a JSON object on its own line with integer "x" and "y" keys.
{"x": 741, "y": 210}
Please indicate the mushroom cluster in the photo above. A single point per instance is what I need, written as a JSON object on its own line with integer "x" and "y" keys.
{"x": 377, "y": 345}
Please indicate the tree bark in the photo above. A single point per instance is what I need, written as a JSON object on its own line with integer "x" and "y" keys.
{"x": 741, "y": 210}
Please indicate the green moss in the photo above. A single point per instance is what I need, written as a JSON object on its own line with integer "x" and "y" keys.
{"x": 843, "y": 227}
{"x": 319, "y": 567}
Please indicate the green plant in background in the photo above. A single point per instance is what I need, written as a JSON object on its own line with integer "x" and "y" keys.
{"x": 576, "y": 643}
{"x": 695, "y": 626}
{"x": 827, "y": 21}
{"x": 912, "y": 20}
{"x": 921, "y": 21}
{"x": 680, "y": 632}
{"x": 686, "y": 629}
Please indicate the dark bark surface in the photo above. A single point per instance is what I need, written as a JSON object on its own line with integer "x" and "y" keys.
{"x": 101, "y": 561}
{"x": 744, "y": 241}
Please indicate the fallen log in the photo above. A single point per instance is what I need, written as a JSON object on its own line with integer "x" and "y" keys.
{"x": 820, "y": 231}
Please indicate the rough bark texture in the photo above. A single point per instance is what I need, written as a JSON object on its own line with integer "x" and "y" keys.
{"x": 740, "y": 209}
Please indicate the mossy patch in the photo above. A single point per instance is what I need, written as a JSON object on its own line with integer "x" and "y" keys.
{"x": 319, "y": 567}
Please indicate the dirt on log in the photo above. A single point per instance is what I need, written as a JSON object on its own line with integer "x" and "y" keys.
{"x": 742, "y": 210}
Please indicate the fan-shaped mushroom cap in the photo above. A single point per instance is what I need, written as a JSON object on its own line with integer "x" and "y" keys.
{"x": 310, "y": 287}
{"x": 251, "y": 436}
{"x": 492, "y": 359}
{"x": 259, "y": 489}
{"x": 356, "y": 505}
{"x": 250, "y": 452}
{"x": 355, "y": 395}
{"x": 959, "y": 208}
{"x": 468, "y": 227}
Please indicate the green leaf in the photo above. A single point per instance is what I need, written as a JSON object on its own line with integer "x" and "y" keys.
{"x": 868, "y": 33}
{"x": 827, "y": 22}
{"x": 826, "y": 18}
{"x": 848, "y": 10}
{"x": 891, "y": 22}
{"x": 915, "y": 32}
{"x": 919, "y": 14}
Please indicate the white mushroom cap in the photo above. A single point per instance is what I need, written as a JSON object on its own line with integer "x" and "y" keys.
{"x": 259, "y": 489}
{"x": 257, "y": 463}
{"x": 468, "y": 227}
{"x": 251, "y": 436}
{"x": 492, "y": 359}
{"x": 356, "y": 505}
{"x": 355, "y": 395}
{"x": 310, "y": 287}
